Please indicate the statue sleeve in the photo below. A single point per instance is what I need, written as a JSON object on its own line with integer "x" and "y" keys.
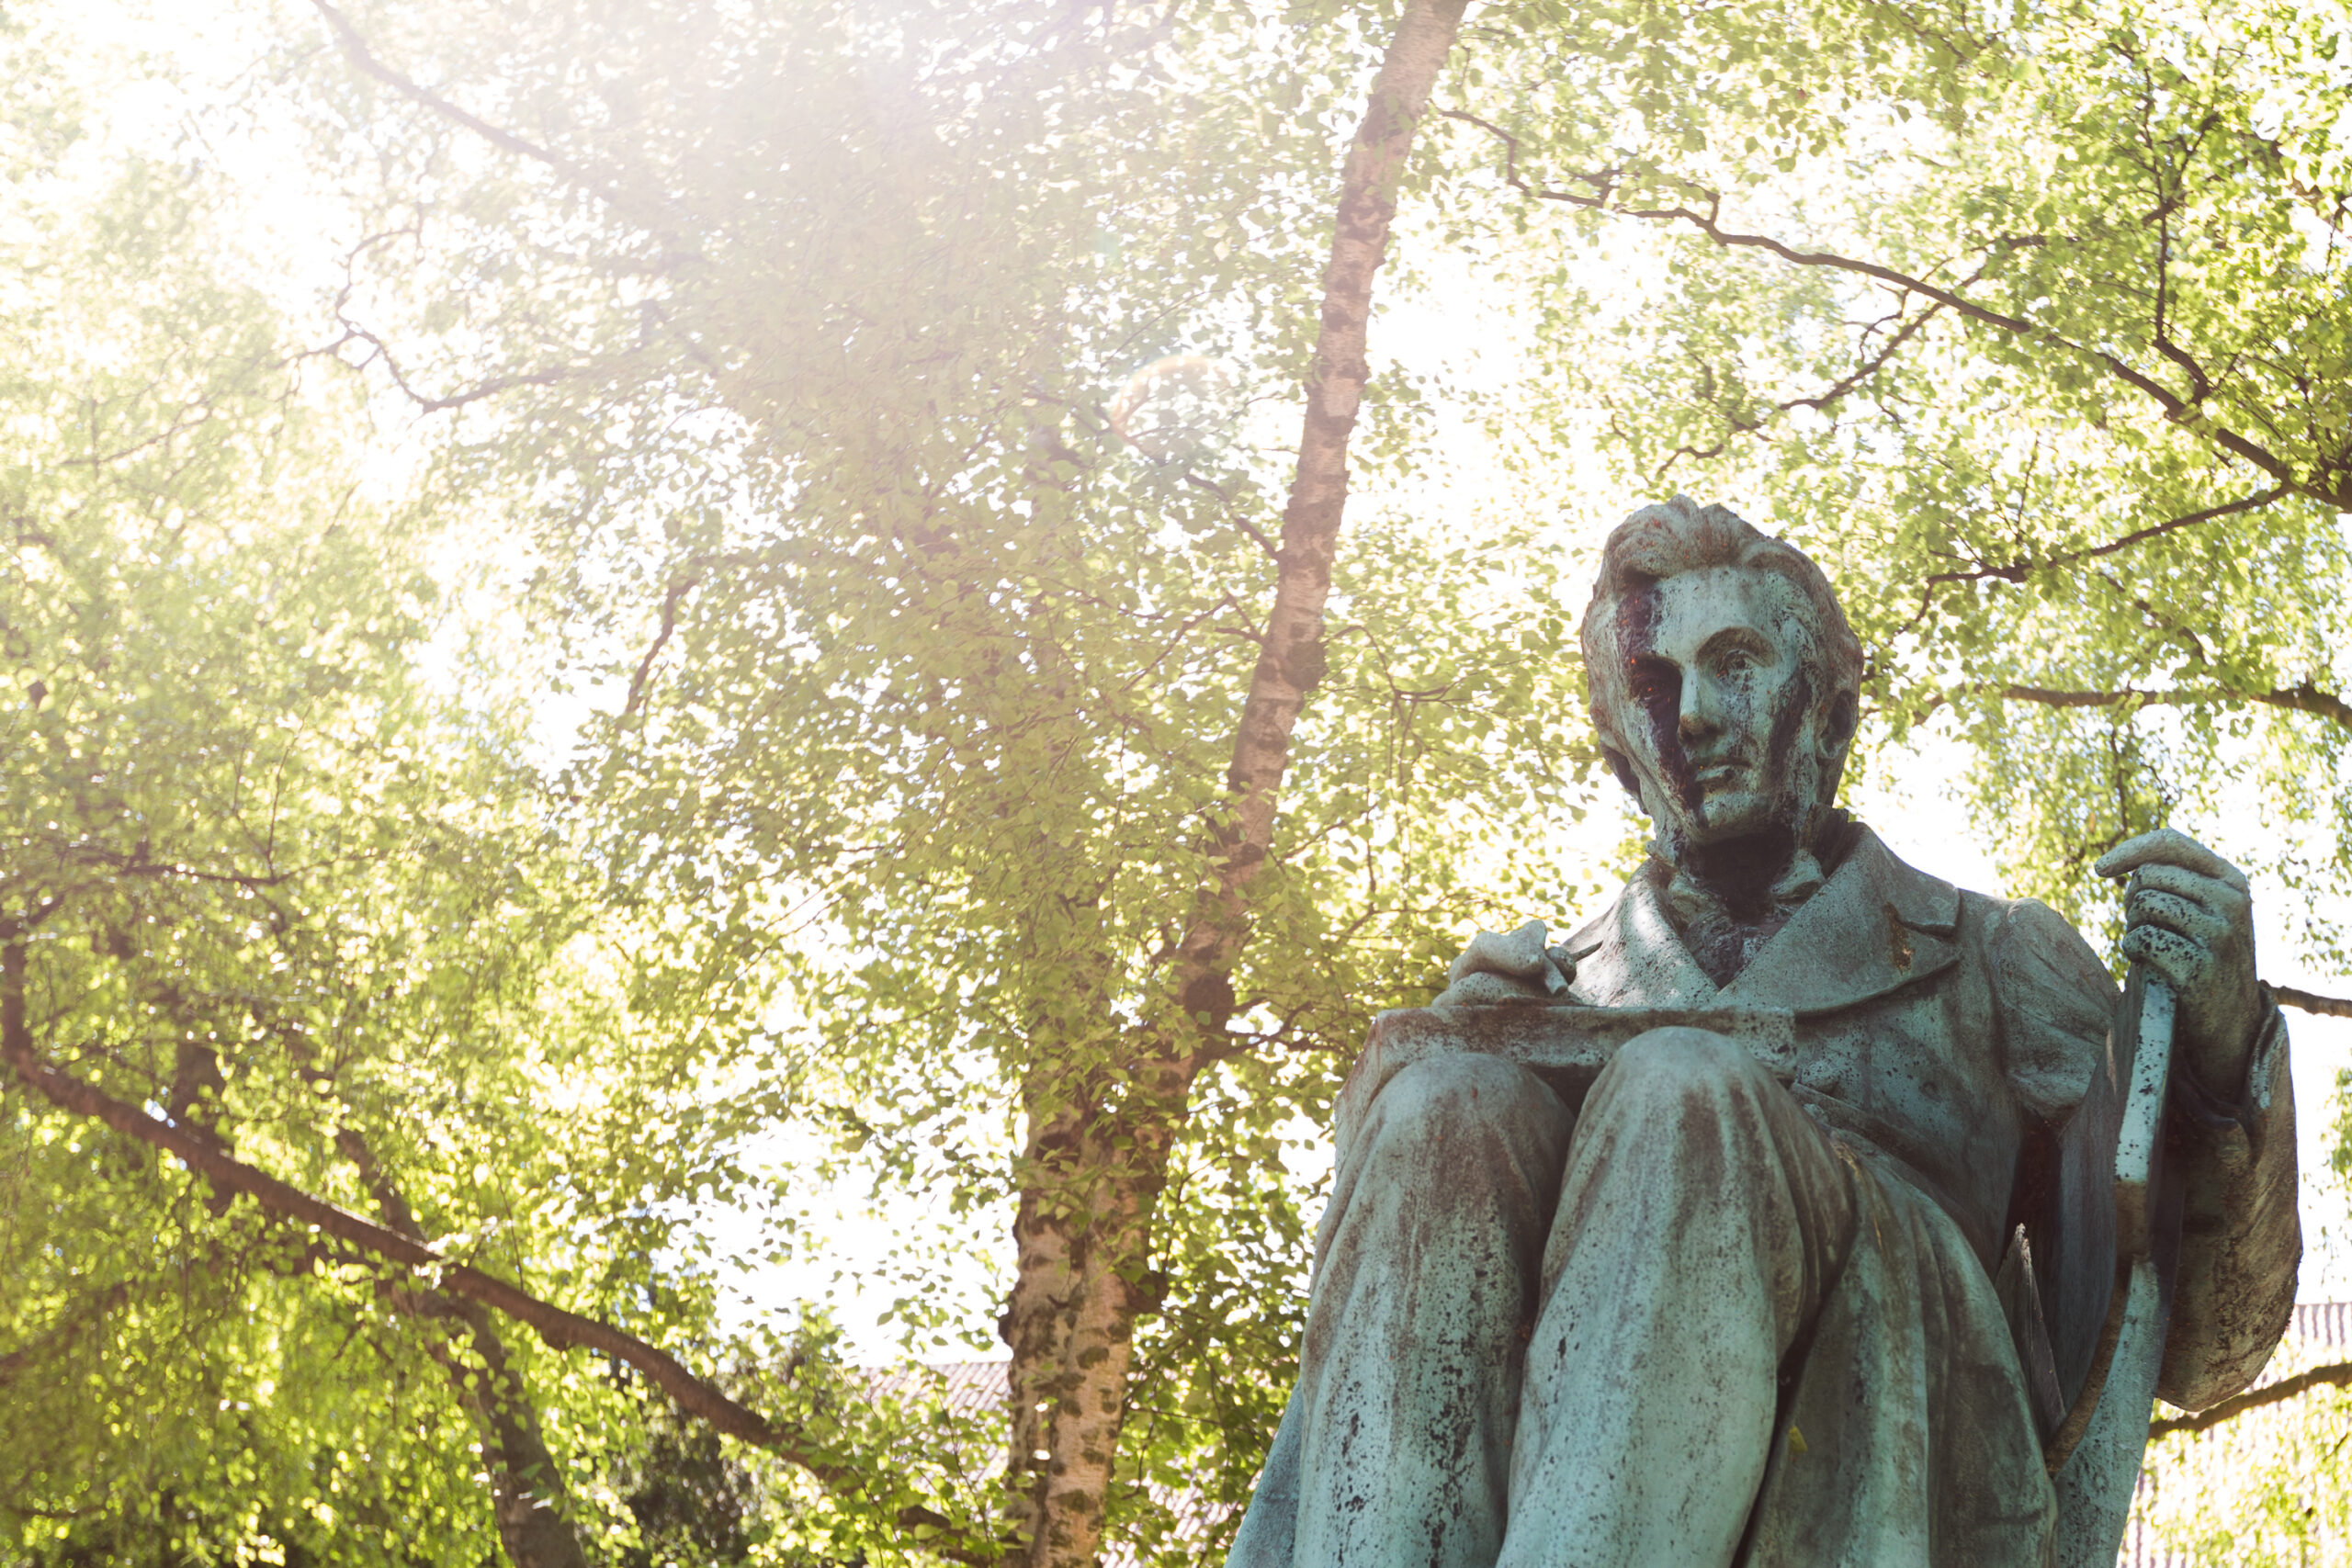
{"x": 2239, "y": 1239}
{"x": 2057, "y": 1002}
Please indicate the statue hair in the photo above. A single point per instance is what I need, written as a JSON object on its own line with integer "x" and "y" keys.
{"x": 1670, "y": 538}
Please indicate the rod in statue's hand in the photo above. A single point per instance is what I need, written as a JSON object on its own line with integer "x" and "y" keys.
{"x": 2189, "y": 917}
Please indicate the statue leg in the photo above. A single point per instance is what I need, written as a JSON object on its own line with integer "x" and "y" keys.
{"x": 1701, "y": 1220}
{"x": 1425, "y": 1291}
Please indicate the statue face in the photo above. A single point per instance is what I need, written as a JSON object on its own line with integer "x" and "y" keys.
{"x": 1720, "y": 729}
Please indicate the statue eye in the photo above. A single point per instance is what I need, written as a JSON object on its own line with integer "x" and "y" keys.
{"x": 1737, "y": 661}
{"x": 1653, "y": 681}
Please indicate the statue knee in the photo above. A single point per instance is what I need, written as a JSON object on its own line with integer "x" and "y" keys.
{"x": 1458, "y": 1099}
{"x": 1684, "y": 1067}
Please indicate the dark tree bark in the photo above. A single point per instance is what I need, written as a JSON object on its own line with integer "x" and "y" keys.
{"x": 528, "y": 1498}
{"x": 1098, "y": 1155}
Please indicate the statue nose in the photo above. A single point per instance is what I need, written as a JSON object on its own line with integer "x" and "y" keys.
{"x": 1699, "y": 717}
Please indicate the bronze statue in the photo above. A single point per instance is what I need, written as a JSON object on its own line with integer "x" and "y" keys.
{"x": 1771, "y": 1217}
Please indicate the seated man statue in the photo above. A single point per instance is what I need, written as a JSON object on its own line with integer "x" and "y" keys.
{"x": 1716, "y": 1313}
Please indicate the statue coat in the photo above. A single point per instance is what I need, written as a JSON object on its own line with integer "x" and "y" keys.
{"x": 1943, "y": 1040}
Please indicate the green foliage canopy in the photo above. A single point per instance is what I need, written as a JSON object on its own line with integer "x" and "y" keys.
{"x": 794, "y": 354}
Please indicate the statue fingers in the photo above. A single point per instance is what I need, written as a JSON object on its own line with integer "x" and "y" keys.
{"x": 2154, "y": 906}
{"x": 2167, "y": 846}
{"x": 1513, "y": 966}
{"x": 1517, "y": 954}
{"x": 1487, "y": 989}
{"x": 2228, "y": 902}
{"x": 2180, "y": 961}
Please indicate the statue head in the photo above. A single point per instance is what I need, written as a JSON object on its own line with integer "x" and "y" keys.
{"x": 1723, "y": 678}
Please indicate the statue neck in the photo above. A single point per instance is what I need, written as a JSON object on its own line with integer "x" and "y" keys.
{"x": 1729, "y": 898}
{"x": 1738, "y": 873}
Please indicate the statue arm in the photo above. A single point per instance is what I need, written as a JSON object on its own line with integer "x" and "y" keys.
{"x": 2188, "y": 916}
{"x": 2241, "y": 1240}
{"x": 2234, "y": 1285}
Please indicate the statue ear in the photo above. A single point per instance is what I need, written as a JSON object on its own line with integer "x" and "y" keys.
{"x": 1839, "y": 731}
{"x": 1623, "y": 769}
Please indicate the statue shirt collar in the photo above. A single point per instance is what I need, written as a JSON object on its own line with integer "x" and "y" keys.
{"x": 1876, "y": 925}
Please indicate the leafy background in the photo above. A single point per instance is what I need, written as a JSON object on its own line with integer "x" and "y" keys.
{"x": 635, "y": 682}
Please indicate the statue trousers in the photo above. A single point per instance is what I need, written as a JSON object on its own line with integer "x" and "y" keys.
{"x": 1687, "y": 1327}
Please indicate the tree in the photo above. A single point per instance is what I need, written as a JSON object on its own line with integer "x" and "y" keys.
{"x": 1007, "y": 695}
{"x": 245, "y": 850}
{"x": 271, "y": 902}
{"x": 884, "y": 396}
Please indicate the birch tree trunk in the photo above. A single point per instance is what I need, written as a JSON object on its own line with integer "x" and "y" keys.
{"x": 1097, "y": 1155}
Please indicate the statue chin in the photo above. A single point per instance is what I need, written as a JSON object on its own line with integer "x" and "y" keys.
{"x": 1734, "y": 814}
{"x": 1738, "y": 815}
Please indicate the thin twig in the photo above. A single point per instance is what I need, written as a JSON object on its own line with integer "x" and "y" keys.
{"x": 2337, "y": 1374}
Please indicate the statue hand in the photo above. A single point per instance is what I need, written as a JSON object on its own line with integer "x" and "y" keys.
{"x": 1516, "y": 967}
{"x": 2187, "y": 917}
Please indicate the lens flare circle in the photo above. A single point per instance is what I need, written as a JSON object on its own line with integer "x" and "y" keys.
{"x": 1174, "y": 406}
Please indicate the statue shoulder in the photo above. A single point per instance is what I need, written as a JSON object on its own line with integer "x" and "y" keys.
{"x": 2055, "y": 997}
{"x": 2036, "y": 955}
{"x": 2040, "y": 958}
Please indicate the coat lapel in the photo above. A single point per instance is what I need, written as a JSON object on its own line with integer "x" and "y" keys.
{"x": 1631, "y": 956}
{"x": 1876, "y": 925}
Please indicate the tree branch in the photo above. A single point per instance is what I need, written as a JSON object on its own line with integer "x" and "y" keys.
{"x": 1601, "y": 197}
{"x": 1907, "y": 327}
{"x": 2302, "y": 697}
{"x": 680, "y": 586}
{"x": 563, "y": 1330}
{"x": 2312, "y": 1001}
{"x": 356, "y": 48}
{"x": 432, "y": 403}
{"x": 560, "y": 1329}
{"x": 139, "y": 862}
{"x": 530, "y": 1503}
{"x": 2335, "y": 1375}
{"x": 2019, "y": 570}
{"x": 1235, "y": 515}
